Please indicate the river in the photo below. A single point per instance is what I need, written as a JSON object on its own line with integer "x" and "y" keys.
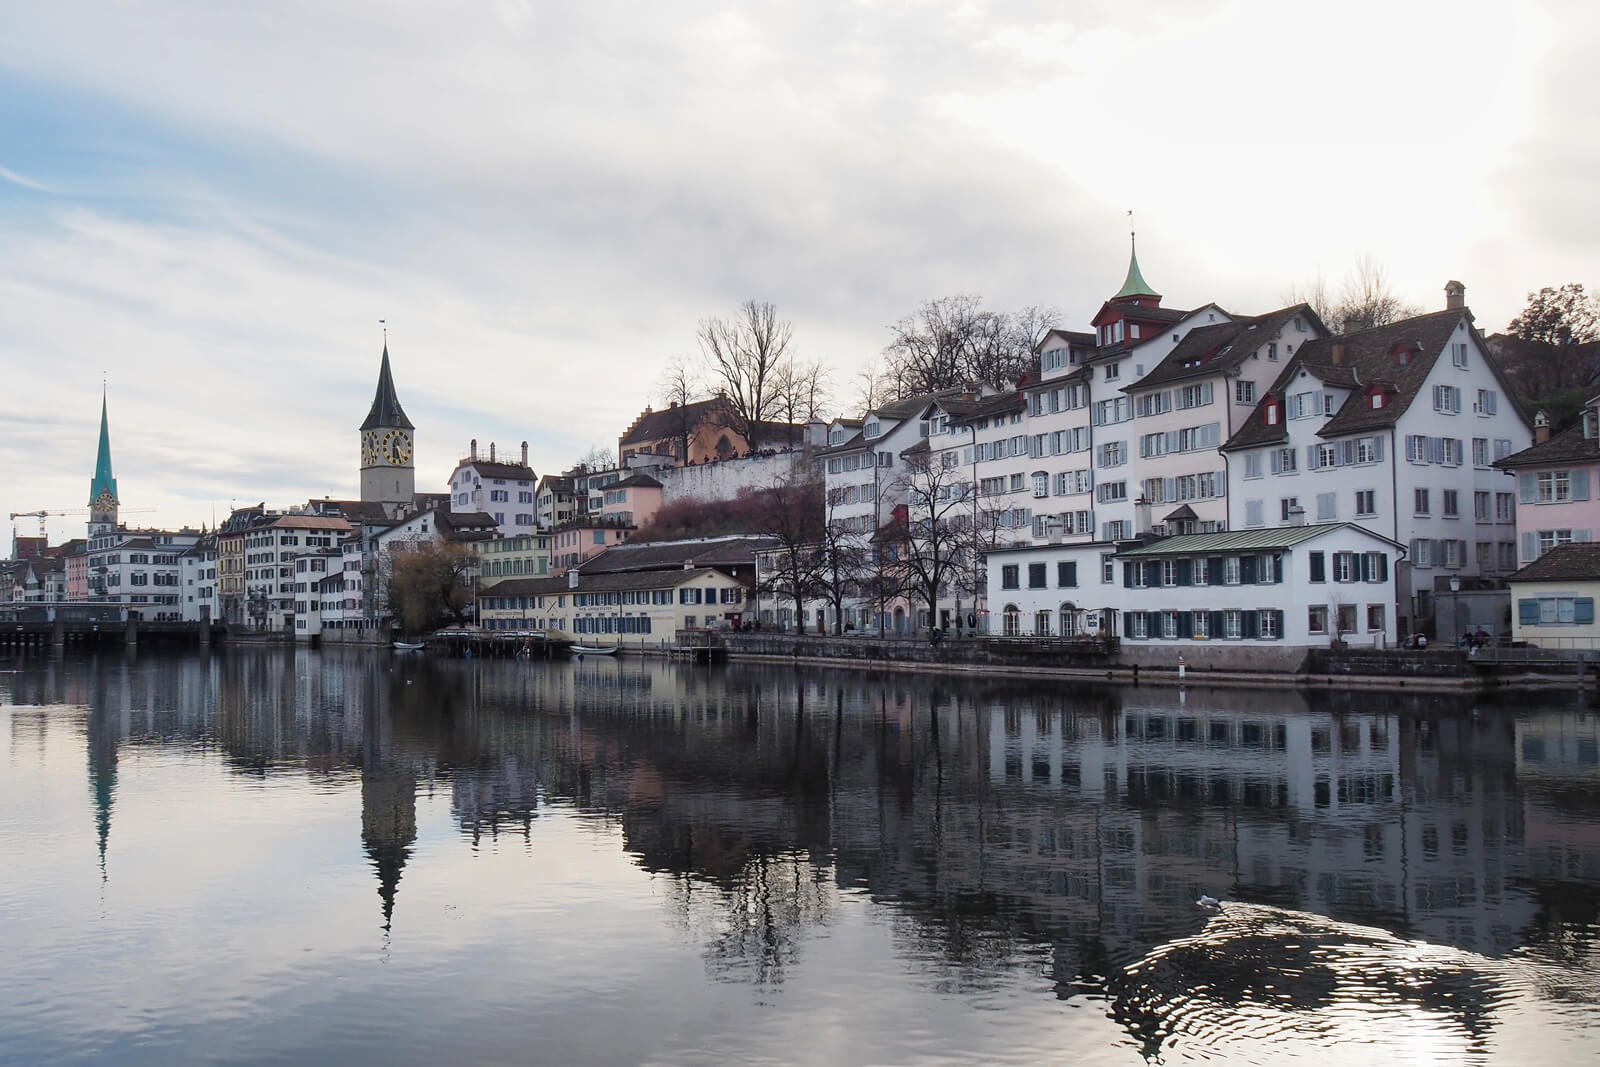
{"x": 273, "y": 856}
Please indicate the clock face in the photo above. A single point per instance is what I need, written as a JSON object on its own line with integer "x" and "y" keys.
{"x": 369, "y": 449}
{"x": 105, "y": 501}
{"x": 397, "y": 447}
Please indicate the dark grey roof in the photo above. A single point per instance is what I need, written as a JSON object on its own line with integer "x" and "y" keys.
{"x": 635, "y": 481}
{"x": 496, "y": 469}
{"x": 1257, "y": 540}
{"x": 1223, "y": 346}
{"x": 596, "y": 583}
{"x": 386, "y": 410}
{"x": 1568, "y": 446}
{"x": 1564, "y": 563}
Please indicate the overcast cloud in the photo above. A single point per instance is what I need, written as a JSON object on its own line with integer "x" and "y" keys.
{"x": 214, "y": 204}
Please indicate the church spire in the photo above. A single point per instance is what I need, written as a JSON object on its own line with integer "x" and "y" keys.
{"x": 386, "y": 410}
{"x": 1135, "y": 286}
{"x": 103, "y": 488}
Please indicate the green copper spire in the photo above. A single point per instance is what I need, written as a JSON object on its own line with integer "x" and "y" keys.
{"x": 104, "y": 484}
{"x": 1135, "y": 285}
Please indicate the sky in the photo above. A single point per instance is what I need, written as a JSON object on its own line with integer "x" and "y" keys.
{"x": 209, "y": 207}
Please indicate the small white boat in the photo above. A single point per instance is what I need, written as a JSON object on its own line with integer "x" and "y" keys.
{"x": 594, "y": 650}
{"x": 408, "y": 646}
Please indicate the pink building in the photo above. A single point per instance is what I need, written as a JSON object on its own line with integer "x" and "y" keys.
{"x": 1558, "y": 485}
{"x": 633, "y": 501}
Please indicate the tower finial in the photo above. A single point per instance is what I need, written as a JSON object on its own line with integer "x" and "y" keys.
{"x": 1134, "y": 287}
{"x": 385, "y": 324}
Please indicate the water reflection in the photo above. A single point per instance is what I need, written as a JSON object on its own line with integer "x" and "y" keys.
{"x": 1408, "y": 869}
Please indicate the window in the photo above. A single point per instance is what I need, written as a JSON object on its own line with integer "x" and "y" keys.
{"x": 1036, "y": 575}
{"x": 1317, "y": 618}
{"x": 1505, "y": 507}
{"x": 1113, "y": 454}
{"x": 1555, "y": 487}
{"x": 1502, "y": 447}
{"x": 1480, "y": 506}
{"x": 1199, "y": 573}
{"x": 1110, "y": 492}
{"x": 1366, "y": 502}
{"x": 1420, "y": 501}
{"x": 1283, "y": 461}
{"x": 1287, "y": 506}
{"x": 1169, "y": 572}
{"x": 1244, "y": 392}
{"x": 1458, "y": 355}
{"x": 1139, "y": 624}
{"x": 1108, "y": 568}
{"x": 1140, "y": 574}
{"x": 1447, "y": 504}
{"x": 1326, "y": 456}
{"x": 1008, "y": 576}
{"x": 1233, "y": 624}
{"x": 1447, "y": 399}
{"x": 1268, "y": 623}
{"x": 1016, "y": 483}
{"x": 1201, "y": 623}
{"x": 1041, "y": 484}
{"x": 1066, "y": 574}
{"x": 1113, "y": 371}
{"x": 1230, "y": 570}
{"x": 1480, "y": 451}
{"x": 1344, "y": 567}
{"x": 1252, "y": 465}
{"x": 1169, "y": 624}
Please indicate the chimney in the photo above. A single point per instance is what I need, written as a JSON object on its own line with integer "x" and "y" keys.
{"x": 1541, "y": 427}
{"x": 1141, "y": 516}
{"x": 1336, "y": 353}
{"x": 524, "y": 453}
{"x": 1351, "y": 324}
{"x": 1455, "y": 295}
{"x": 474, "y": 453}
{"x": 1297, "y": 516}
{"x": 491, "y": 451}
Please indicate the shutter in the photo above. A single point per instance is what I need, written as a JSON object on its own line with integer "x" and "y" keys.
{"x": 1279, "y": 615}
{"x": 1319, "y": 568}
{"x": 1583, "y": 610}
{"x": 1366, "y": 567}
{"x": 1530, "y": 547}
{"x": 1127, "y": 622}
{"x": 1216, "y": 565}
{"x": 1277, "y": 463}
{"x": 1185, "y": 572}
{"x": 1127, "y": 575}
{"x": 1219, "y": 624}
{"x": 1247, "y": 570}
{"x": 1581, "y": 535}
{"x": 1347, "y": 452}
{"x": 1580, "y": 485}
{"x": 1527, "y": 489}
{"x": 1186, "y": 622}
{"x": 1528, "y": 611}
{"x": 1277, "y": 569}
{"x": 1072, "y": 573}
{"x": 1152, "y": 573}
{"x": 1311, "y": 457}
{"x": 1383, "y": 567}
{"x": 1249, "y": 624}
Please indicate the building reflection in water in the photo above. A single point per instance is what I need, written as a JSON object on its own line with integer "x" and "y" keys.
{"x": 1000, "y": 823}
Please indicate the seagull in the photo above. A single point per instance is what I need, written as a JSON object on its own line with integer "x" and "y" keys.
{"x": 1207, "y": 901}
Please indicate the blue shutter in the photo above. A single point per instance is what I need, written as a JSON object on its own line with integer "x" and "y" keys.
{"x": 1527, "y": 489}
{"x": 1530, "y": 547}
{"x": 1185, "y": 572}
{"x": 1277, "y": 568}
{"x": 1279, "y": 614}
{"x": 1216, "y": 565}
{"x": 1127, "y": 624}
{"x": 1364, "y": 569}
{"x": 1319, "y": 567}
{"x": 1186, "y": 622}
{"x": 1383, "y": 567}
{"x": 1249, "y": 624}
{"x": 1580, "y": 485}
{"x": 1247, "y": 570}
{"x": 1219, "y": 625}
{"x": 1127, "y": 575}
{"x": 1152, "y": 572}
{"x": 1583, "y": 610}
{"x": 1528, "y": 611}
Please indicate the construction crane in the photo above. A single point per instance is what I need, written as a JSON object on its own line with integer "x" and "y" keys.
{"x": 56, "y": 513}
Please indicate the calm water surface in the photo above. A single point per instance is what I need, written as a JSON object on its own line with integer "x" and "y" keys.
{"x": 294, "y": 857}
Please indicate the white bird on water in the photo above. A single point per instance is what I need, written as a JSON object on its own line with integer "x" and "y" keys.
{"x": 1208, "y": 901}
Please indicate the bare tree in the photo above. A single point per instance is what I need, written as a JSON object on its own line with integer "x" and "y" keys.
{"x": 791, "y": 513}
{"x": 874, "y": 386}
{"x": 804, "y": 389}
{"x": 748, "y": 358}
{"x": 677, "y": 389}
{"x": 843, "y": 563}
{"x": 1365, "y": 299}
{"x": 953, "y": 340}
{"x": 599, "y": 458}
{"x": 937, "y": 536}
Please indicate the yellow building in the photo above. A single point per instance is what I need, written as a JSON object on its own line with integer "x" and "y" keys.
{"x": 523, "y": 556}
{"x": 1553, "y": 598}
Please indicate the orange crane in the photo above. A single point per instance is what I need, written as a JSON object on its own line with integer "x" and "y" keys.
{"x": 56, "y": 513}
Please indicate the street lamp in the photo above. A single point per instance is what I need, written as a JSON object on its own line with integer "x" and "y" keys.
{"x": 1455, "y": 603}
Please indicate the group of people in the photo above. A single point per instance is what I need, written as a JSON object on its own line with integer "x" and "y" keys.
{"x": 1471, "y": 640}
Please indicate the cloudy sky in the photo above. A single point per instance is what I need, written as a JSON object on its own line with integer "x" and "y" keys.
{"x": 214, "y": 204}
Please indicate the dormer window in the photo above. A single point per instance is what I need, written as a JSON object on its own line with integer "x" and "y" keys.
{"x": 872, "y": 429}
{"x": 1133, "y": 331}
{"x": 1270, "y": 411}
{"x": 1589, "y": 424}
{"x": 1377, "y": 400}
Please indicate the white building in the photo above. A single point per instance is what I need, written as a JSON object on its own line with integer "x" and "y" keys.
{"x": 197, "y": 571}
{"x": 139, "y": 568}
{"x": 506, "y": 490}
{"x": 1395, "y": 428}
{"x": 269, "y": 564}
{"x": 1293, "y": 587}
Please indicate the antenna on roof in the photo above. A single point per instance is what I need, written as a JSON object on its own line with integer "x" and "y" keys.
{"x": 385, "y": 324}
{"x": 1132, "y": 233}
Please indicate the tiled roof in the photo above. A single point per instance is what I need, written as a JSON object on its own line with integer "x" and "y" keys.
{"x": 906, "y": 407}
{"x": 985, "y": 407}
{"x": 496, "y": 469}
{"x": 1568, "y": 446}
{"x": 669, "y": 421}
{"x": 310, "y": 522}
{"x": 1564, "y": 563}
{"x": 1365, "y": 357}
{"x": 636, "y": 481}
{"x": 665, "y": 555}
{"x": 1223, "y": 346}
{"x": 1258, "y": 540}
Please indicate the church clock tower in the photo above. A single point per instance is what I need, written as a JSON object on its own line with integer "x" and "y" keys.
{"x": 388, "y": 471}
{"x": 103, "y": 487}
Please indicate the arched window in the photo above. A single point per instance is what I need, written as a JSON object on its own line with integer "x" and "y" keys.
{"x": 1041, "y": 623}
{"x": 1012, "y": 620}
{"x": 1069, "y": 620}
